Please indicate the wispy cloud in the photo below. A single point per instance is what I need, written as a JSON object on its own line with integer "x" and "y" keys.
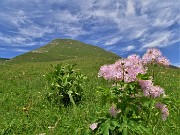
{"x": 34, "y": 31}
{"x": 128, "y": 48}
{"x": 113, "y": 41}
{"x": 130, "y": 8}
{"x": 104, "y": 23}
{"x": 160, "y": 39}
{"x": 14, "y": 50}
{"x": 10, "y": 40}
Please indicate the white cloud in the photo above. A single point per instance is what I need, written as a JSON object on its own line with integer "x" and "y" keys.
{"x": 128, "y": 48}
{"x": 14, "y": 18}
{"x": 113, "y": 41}
{"x": 106, "y": 21}
{"x": 20, "y": 50}
{"x": 130, "y": 8}
{"x": 162, "y": 23}
{"x": 157, "y": 39}
{"x": 18, "y": 41}
{"x": 34, "y": 31}
{"x": 14, "y": 50}
{"x": 160, "y": 39}
{"x": 65, "y": 17}
{"x": 68, "y": 30}
{"x": 11, "y": 40}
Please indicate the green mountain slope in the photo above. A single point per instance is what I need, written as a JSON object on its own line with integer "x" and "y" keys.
{"x": 63, "y": 49}
{"x": 2, "y": 60}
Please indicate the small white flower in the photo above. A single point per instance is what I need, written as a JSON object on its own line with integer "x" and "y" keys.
{"x": 93, "y": 126}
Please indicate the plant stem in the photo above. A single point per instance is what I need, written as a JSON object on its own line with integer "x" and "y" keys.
{"x": 72, "y": 100}
{"x": 125, "y": 130}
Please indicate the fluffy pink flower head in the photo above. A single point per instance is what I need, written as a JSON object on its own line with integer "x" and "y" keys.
{"x": 150, "y": 90}
{"x": 154, "y": 55}
{"x": 106, "y": 71}
{"x": 163, "y": 61}
{"x": 151, "y": 55}
{"x": 164, "y": 110}
{"x": 156, "y": 91}
{"x": 124, "y": 69}
{"x": 93, "y": 126}
{"x": 135, "y": 66}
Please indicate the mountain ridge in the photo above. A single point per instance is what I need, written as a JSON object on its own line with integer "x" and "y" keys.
{"x": 63, "y": 49}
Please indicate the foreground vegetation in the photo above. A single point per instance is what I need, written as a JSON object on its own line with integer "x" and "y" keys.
{"x": 25, "y": 110}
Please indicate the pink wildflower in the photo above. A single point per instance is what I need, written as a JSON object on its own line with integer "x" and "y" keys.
{"x": 146, "y": 86}
{"x": 113, "y": 111}
{"x": 108, "y": 72}
{"x": 123, "y": 69}
{"x": 154, "y": 55}
{"x": 93, "y": 126}
{"x": 151, "y": 55}
{"x": 163, "y": 61}
{"x": 150, "y": 90}
{"x": 156, "y": 91}
{"x": 164, "y": 110}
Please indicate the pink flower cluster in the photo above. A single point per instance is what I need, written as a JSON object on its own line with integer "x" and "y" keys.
{"x": 127, "y": 70}
{"x": 164, "y": 110}
{"x": 93, "y": 126}
{"x": 124, "y": 69}
{"x": 150, "y": 90}
{"x": 154, "y": 55}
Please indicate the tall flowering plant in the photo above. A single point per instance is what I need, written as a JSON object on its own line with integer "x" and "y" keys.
{"x": 154, "y": 57}
{"x": 133, "y": 97}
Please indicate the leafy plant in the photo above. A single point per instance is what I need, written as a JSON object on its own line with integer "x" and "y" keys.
{"x": 134, "y": 100}
{"x": 66, "y": 85}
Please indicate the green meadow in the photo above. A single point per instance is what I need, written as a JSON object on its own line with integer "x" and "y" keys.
{"x": 25, "y": 110}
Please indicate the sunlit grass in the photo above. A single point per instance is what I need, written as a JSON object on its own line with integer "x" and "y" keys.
{"x": 25, "y": 110}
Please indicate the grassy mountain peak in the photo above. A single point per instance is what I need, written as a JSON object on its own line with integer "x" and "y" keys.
{"x": 63, "y": 49}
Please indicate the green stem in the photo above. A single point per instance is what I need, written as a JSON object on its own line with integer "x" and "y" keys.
{"x": 125, "y": 130}
{"x": 72, "y": 100}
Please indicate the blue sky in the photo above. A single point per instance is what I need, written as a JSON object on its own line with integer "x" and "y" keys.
{"x": 121, "y": 26}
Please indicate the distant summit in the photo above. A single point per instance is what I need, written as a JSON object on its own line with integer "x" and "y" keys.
{"x": 64, "y": 49}
{"x": 2, "y": 60}
{"x": 172, "y": 66}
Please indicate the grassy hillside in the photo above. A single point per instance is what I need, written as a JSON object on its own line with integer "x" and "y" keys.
{"x": 25, "y": 110}
{"x": 63, "y": 49}
{"x": 2, "y": 60}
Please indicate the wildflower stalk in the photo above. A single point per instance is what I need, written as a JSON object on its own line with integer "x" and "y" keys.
{"x": 71, "y": 99}
{"x": 134, "y": 97}
{"x": 125, "y": 130}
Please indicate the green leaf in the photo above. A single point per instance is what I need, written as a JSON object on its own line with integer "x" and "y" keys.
{"x": 132, "y": 87}
{"x": 138, "y": 127}
{"x": 105, "y": 128}
{"x": 57, "y": 85}
{"x": 114, "y": 124}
